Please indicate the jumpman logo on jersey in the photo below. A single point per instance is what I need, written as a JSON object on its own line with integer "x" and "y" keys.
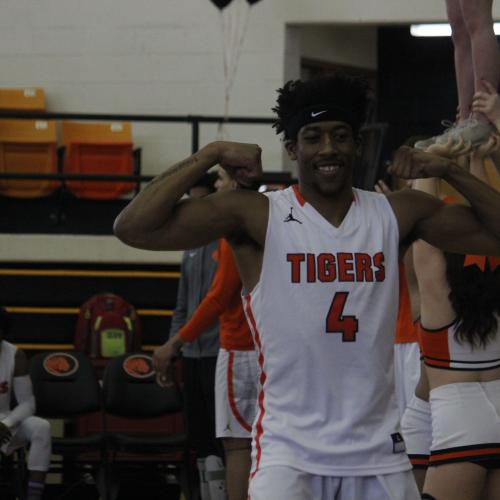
{"x": 4, "y": 387}
{"x": 290, "y": 217}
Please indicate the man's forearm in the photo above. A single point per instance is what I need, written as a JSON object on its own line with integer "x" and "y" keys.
{"x": 484, "y": 200}
{"x": 151, "y": 208}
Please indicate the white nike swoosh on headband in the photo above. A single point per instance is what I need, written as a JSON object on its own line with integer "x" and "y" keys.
{"x": 314, "y": 115}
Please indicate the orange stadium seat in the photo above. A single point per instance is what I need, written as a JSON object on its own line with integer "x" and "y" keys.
{"x": 98, "y": 148}
{"x": 28, "y": 146}
{"x": 23, "y": 99}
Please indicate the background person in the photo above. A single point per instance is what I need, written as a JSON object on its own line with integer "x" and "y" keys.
{"x": 18, "y": 426}
{"x": 198, "y": 268}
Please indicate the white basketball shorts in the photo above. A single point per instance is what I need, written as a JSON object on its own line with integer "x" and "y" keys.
{"x": 285, "y": 483}
{"x": 406, "y": 372}
{"x": 236, "y": 384}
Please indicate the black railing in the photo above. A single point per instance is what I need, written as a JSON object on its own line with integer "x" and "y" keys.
{"x": 194, "y": 120}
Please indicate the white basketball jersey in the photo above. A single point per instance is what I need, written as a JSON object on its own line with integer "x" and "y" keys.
{"x": 323, "y": 317}
{"x": 7, "y": 365}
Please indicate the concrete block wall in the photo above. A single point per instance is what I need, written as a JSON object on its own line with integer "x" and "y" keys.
{"x": 154, "y": 57}
{"x": 165, "y": 57}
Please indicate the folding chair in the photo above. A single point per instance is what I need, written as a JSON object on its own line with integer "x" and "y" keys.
{"x": 23, "y": 99}
{"x": 98, "y": 148}
{"x": 28, "y": 147}
{"x": 66, "y": 387}
{"x": 130, "y": 391}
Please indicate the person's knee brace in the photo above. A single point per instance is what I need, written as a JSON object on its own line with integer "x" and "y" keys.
{"x": 215, "y": 476}
{"x": 204, "y": 493}
{"x": 40, "y": 444}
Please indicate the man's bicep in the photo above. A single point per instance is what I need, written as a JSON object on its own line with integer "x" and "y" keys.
{"x": 410, "y": 207}
{"x": 194, "y": 223}
{"x": 455, "y": 228}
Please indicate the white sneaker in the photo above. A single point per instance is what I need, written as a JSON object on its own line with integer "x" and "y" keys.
{"x": 425, "y": 143}
{"x": 471, "y": 130}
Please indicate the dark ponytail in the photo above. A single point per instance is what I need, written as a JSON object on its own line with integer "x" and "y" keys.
{"x": 475, "y": 297}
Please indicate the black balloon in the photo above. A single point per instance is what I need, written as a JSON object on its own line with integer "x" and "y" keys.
{"x": 221, "y": 4}
{"x": 251, "y": 2}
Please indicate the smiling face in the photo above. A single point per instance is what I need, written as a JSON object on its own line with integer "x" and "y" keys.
{"x": 325, "y": 153}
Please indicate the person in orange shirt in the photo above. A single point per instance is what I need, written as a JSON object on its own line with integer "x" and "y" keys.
{"x": 237, "y": 368}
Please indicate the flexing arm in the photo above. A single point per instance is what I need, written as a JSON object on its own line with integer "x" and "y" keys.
{"x": 455, "y": 228}
{"x": 23, "y": 392}
{"x": 156, "y": 219}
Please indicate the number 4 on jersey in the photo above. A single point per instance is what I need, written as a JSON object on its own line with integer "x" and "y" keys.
{"x": 336, "y": 323}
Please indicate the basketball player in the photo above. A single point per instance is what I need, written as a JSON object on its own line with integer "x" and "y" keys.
{"x": 18, "y": 426}
{"x": 236, "y": 373}
{"x": 319, "y": 265}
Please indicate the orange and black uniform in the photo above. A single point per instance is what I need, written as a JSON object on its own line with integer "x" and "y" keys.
{"x": 223, "y": 303}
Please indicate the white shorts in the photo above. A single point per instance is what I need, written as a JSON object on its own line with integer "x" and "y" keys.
{"x": 466, "y": 423}
{"x": 406, "y": 372}
{"x": 236, "y": 385}
{"x": 285, "y": 483}
{"x": 416, "y": 426}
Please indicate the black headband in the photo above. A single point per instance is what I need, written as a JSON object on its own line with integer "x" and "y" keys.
{"x": 320, "y": 113}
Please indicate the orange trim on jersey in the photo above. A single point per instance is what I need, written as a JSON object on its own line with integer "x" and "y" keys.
{"x": 230, "y": 394}
{"x": 298, "y": 195}
{"x": 461, "y": 454}
{"x": 302, "y": 200}
{"x": 405, "y": 327}
{"x": 262, "y": 380}
{"x": 223, "y": 303}
{"x": 419, "y": 461}
{"x": 434, "y": 344}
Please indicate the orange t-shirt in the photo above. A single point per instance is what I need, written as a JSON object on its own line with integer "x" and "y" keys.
{"x": 223, "y": 303}
{"x": 405, "y": 328}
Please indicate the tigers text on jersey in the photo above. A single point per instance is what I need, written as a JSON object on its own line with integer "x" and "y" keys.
{"x": 323, "y": 317}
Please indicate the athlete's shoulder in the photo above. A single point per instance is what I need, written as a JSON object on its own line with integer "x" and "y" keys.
{"x": 363, "y": 194}
{"x": 285, "y": 193}
{"x": 371, "y": 201}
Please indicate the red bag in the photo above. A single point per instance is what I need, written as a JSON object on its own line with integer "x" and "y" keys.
{"x": 107, "y": 326}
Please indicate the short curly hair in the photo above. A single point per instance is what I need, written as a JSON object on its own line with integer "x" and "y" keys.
{"x": 336, "y": 89}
